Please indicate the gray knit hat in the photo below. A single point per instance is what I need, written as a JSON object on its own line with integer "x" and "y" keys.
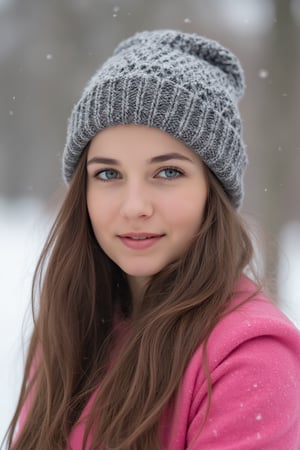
{"x": 184, "y": 84}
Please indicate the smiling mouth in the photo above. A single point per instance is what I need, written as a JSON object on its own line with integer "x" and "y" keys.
{"x": 140, "y": 236}
{"x": 138, "y": 241}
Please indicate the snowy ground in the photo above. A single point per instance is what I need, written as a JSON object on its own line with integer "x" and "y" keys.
{"x": 23, "y": 228}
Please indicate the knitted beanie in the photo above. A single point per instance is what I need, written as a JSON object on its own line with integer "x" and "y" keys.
{"x": 182, "y": 83}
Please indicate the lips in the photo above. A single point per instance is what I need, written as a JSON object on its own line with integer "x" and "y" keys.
{"x": 141, "y": 240}
{"x": 140, "y": 235}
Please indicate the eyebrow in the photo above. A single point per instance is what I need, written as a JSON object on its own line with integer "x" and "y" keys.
{"x": 167, "y": 156}
{"x": 155, "y": 159}
{"x": 97, "y": 160}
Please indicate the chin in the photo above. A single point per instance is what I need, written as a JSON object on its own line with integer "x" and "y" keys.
{"x": 138, "y": 272}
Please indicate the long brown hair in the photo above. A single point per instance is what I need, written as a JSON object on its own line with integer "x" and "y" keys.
{"x": 79, "y": 289}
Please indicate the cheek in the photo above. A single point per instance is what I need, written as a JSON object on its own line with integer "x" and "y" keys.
{"x": 186, "y": 209}
{"x": 97, "y": 209}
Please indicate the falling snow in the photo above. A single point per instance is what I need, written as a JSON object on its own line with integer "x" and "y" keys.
{"x": 116, "y": 9}
{"x": 263, "y": 73}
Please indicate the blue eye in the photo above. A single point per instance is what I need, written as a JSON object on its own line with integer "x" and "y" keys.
{"x": 170, "y": 172}
{"x": 108, "y": 174}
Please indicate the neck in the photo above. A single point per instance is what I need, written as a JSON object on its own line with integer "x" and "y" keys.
{"x": 137, "y": 287}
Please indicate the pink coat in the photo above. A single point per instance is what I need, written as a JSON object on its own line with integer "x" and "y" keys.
{"x": 254, "y": 359}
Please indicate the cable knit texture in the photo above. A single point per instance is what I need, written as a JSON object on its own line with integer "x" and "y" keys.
{"x": 184, "y": 84}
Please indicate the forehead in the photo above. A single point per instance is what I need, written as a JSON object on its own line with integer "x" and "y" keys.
{"x": 138, "y": 141}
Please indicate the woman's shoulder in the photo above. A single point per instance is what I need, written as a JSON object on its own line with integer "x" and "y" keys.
{"x": 252, "y": 312}
{"x": 250, "y": 320}
{"x": 252, "y": 315}
{"x": 253, "y": 357}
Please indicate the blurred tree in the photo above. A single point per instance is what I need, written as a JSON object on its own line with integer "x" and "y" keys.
{"x": 278, "y": 114}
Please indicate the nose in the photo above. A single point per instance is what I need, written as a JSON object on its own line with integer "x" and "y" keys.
{"x": 136, "y": 202}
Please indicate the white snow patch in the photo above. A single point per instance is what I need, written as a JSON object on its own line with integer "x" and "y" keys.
{"x": 23, "y": 228}
{"x": 289, "y": 270}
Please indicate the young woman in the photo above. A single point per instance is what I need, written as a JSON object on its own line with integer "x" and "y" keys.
{"x": 149, "y": 334}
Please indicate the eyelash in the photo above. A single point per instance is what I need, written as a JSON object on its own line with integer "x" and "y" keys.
{"x": 97, "y": 174}
{"x": 163, "y": 169}
{"x": 178, "y": 175}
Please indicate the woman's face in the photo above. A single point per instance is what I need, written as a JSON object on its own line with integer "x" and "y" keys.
{"x": 146, "y": 194}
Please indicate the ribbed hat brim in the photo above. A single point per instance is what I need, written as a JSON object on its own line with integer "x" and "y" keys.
{"x": 162, "y": 104}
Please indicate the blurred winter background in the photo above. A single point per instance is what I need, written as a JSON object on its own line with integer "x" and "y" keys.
{"x": 48, "y": 50}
